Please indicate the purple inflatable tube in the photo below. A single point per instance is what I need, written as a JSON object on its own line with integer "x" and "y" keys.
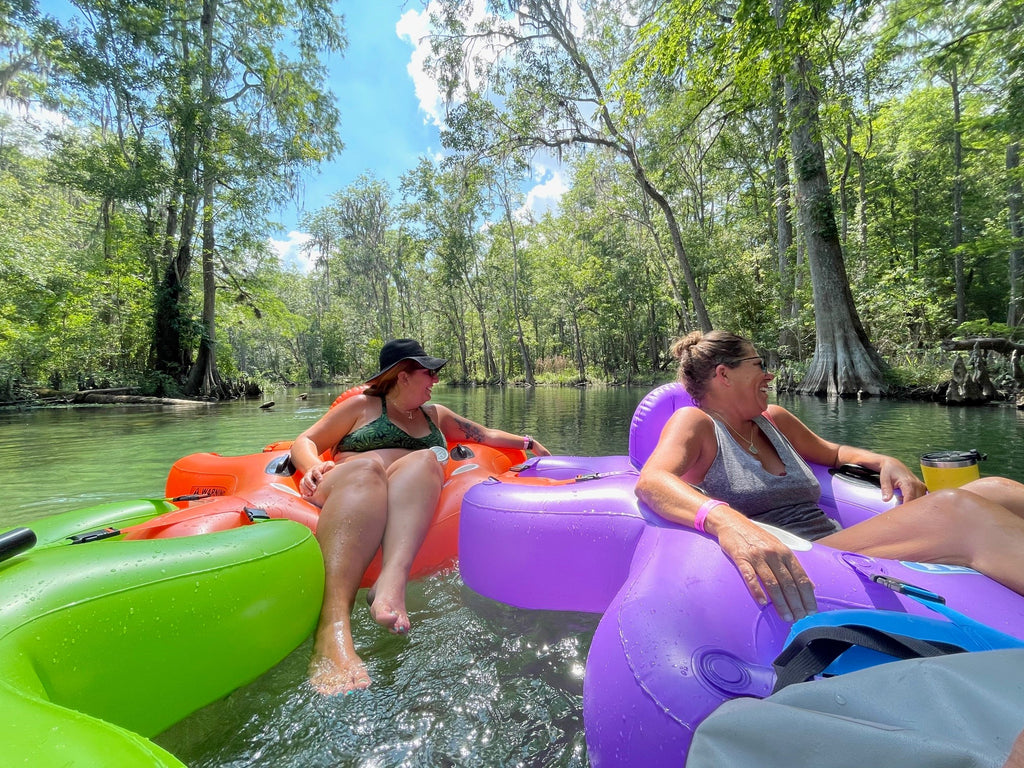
{"x": 680, "y": 633}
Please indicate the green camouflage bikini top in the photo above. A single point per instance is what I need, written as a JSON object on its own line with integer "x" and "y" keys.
{"x": 383, "y": 433}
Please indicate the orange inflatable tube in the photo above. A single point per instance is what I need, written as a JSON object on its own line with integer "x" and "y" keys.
{"x": 216, "y": 493}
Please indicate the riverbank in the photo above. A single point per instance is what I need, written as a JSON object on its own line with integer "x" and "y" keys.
{"x": 117, "y": 396}
{"x": 953, "y": 382}
{"x": 930, "y": 394}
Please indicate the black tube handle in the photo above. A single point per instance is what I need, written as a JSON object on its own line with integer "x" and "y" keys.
{"x": 16, "y": 541}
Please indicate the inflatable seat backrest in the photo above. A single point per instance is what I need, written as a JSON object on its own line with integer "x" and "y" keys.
{"x": 649, "y": 418}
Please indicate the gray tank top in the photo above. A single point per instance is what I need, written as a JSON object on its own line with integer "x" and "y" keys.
{"x": 788, "y": 501}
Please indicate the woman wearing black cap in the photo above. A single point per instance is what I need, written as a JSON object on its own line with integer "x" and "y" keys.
{"x": 380, "y": 490}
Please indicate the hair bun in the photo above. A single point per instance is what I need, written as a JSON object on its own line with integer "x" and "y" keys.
{"x": 682, "y": 345}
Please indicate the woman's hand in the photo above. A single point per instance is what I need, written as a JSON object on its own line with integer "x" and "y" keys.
{"x": 311, "y": 479}
{"x": 538, "y": 449}
{"x": 769, "y": 568}
{"x": 893, "y": 475}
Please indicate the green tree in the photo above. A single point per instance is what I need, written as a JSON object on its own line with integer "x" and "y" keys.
{"x": 233, "y": 91}
{"x": 553, "y": 83}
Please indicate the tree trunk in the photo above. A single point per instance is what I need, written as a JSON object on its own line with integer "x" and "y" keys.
{"x": 169, "y": 354}
{"x": 456, "y": 322}
{"x": 577, "y": 342}
{"x": 958, "y": 205}
{"x": 204, "y": 378}
{"x": 524, "y": 352}
{"x": 783, "y": 220}
{"x": 1015, "y": 309}
{"x": 673, "y": 283}
{"x": 844, "y": 362}
{"x": 677, "y": 243}
{"x": 490, "y": 368}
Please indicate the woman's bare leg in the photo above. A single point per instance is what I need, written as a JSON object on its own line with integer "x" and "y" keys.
{"x": 1001, "y": 490}
{"x": 954, "y": 526}
{"x": 414, "y": 486}
{"x": 350, "y": 529}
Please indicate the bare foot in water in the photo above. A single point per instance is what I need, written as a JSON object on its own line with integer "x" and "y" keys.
{"x": 335, "y": 667}
{"x": 389, "y": 613}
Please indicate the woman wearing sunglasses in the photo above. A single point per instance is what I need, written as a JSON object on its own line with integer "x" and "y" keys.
{"x": 379, "y": 490}
{"x": 735, "y": 459}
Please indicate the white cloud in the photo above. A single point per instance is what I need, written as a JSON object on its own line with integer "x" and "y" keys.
{"x": 295, "y": 251}
{"x": 32, "y": 114}
{"x": 546, "y": 194}
{"x": 414, "y": 27}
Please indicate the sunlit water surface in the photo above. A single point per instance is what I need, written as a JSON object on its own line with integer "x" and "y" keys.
{"x": 475, "y": 683}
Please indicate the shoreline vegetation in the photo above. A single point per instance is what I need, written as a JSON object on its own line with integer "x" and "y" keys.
{"x": 980, "y": 379}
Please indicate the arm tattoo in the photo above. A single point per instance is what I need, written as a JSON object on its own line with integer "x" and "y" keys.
{"x": 470, "y": 430}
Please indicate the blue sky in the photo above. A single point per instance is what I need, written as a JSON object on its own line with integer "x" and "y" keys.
{"x": 383, "y": 122}
{"x": 384, "y": 128}
{"x": 390, "y": 113}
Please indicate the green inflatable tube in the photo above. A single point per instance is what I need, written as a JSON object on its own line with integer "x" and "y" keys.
{"x": 107, "y": 643}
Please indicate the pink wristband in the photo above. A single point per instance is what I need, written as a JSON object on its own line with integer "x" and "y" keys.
{"x": 702, "y": 513}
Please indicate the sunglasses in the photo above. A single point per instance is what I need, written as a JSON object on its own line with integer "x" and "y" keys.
{"x": 760, "y": 362}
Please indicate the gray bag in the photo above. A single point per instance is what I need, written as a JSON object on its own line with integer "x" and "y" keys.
{"x": 958, "y": 711}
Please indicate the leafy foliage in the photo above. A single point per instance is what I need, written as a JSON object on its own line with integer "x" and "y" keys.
{"x": 662, "y": 117}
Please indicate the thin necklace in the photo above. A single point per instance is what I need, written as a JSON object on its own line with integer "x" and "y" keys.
{"x": 750, "y": 441}
{"x": 408, "y": 414}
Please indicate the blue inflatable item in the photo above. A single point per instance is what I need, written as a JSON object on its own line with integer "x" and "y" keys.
{"x": 952, "y": 634}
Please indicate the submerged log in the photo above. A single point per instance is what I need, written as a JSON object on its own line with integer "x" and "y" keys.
{"x": 100, "y": 398}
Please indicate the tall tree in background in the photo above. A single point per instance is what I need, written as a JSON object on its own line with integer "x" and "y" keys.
{"x": 233, "y": 90}
{"x": 948, "y": 34}
{"x": 1008, "y": 47}
{"x": 844, "y": 362}
{"x": 782, "y": 204}
{"x": 771, "y": 44}
{"x": 362, "y": 256}
{"x": 504, "y": 181}
{"x": 552, "y": 80}
{"x": 1015, "y": 222}
{"x": 450, "y": 205}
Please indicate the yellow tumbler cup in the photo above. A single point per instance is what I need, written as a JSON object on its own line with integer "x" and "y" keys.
{"x": 950, "y": 469}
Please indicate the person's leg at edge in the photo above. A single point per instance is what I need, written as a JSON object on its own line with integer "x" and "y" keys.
{"x": 350, "y": 529}
{"x": 1016, "y": 758}
{"x": 414, "y": 486}
{"x": 1001, "y": 490}
{"x": 953, "y": 526}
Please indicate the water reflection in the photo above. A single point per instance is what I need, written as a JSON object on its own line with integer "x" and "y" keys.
{"x": 908, "y": 429}
{"x": 54, "y": 460}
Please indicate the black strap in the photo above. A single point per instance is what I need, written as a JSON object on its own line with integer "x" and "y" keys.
{"x": 102, "y": 533}
{"x": 811, "y": 651}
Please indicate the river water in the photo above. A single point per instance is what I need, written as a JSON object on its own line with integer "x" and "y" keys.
{"x": 475, "y": 683}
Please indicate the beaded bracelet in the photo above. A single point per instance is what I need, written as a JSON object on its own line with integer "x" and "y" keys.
{"x": 702, "y": 513}
{"x": 527, "y": 443}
